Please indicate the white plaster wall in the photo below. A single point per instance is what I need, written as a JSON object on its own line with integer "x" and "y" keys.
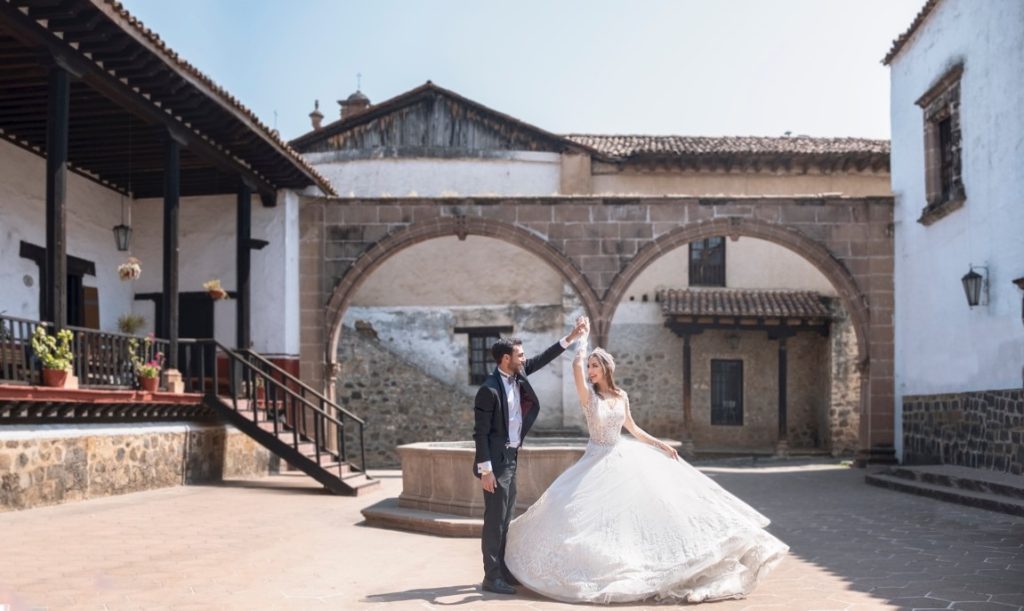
{"x": 522, "y": 173}
{"x": 424, "y": 337}
{"x": 756, "y": 184}
{"x": 92, "y": 212}
{"x": 942, "y": 345}
{"x": 207, "y": 250}
{"x": 452, "y": 272}
{"x": 750, "y": 263}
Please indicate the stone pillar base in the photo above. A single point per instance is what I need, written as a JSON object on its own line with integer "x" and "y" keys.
{"x": 876, "y": 455}
{"x": 782, "y": 448}
{"x": 173, "y": 382}
{"x": 686, "y": 448}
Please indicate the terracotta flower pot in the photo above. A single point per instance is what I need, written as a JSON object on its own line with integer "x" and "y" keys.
{"x": 148, "y": 384}
{"x": 218, "y": 294}
{"x": 56, "y": 378}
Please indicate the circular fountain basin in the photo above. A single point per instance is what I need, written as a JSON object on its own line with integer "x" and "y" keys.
{"x": 437, "y": 476}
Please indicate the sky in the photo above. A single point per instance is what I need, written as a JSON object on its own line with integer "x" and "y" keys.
{"x": 681, "y": 67}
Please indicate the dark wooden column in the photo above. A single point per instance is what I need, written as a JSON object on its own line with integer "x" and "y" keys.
{"x": 243, "y": 260}
{"x": 172, "y": 203}
{"x": 783, "y": 364}
{"x": 782, "y": 335}
{"x": 687, "y": 392}
{"x": 55, "y": 282}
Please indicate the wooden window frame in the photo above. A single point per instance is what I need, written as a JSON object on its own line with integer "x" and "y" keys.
{"x": 485, "y": 360}
{"x": 698, "y": 274}
{"x": 717, "y": 418}
{"x": 944, "y": 187}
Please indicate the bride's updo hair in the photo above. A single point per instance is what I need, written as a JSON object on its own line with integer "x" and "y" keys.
{"x": 607, "y": 363}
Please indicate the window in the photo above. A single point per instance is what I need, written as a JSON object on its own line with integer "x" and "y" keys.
{"x": 726, "y": 392}
{"x": 944, "y": 188}
{"x": 481, "y": 363}
{"x": 707, "y": 262}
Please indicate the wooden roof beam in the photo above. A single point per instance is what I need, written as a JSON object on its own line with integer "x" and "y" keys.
{"x": 112, "y": 88}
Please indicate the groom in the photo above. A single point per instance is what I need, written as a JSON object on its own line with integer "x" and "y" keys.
{"x": 506, "y": 407}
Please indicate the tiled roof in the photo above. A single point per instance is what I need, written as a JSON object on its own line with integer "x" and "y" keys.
{"x": 218, "y": 91}
{"x": 697, "y": 146}
{"x": 898, "y": 44}
{"x": 746, "y": 303}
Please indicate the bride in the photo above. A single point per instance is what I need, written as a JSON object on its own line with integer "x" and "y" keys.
{"x": 625, "y": 523}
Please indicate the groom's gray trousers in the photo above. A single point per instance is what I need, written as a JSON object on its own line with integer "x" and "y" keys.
{"x": 498, "y": 509}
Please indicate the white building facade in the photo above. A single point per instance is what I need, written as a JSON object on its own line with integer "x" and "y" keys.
{"x": 957, "y": 157}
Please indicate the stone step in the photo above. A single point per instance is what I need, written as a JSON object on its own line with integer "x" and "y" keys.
{"x": 361, "y": 483}
{"x": 966, "y": 478}
{"x": 981, "y": 500}
{"x": 387, "y": 514}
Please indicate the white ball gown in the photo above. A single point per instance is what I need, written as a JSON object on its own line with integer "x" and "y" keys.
{"x": 626, "y": 523}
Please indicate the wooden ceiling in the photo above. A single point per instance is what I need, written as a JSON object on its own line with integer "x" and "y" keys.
{"x": 128, "y": 94}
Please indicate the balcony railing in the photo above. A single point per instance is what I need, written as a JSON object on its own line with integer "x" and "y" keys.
{"x": 101, "y": 359}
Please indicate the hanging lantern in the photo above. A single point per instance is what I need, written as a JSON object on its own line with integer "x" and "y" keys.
{"x": 123, "y": 236}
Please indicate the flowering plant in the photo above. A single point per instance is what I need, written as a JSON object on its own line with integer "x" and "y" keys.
{"x": 149, "y": 363}
{"x": 130, "y": 269}
{"x": 214, "y": 288}
{"x": 54, "y": 352}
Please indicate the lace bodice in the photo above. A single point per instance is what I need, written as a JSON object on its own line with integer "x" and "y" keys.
{"x": 605, "y": 417}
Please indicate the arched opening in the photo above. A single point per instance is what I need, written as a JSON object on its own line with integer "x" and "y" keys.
{"x": 714, "y": 380}
{"x": 414, "y": 336}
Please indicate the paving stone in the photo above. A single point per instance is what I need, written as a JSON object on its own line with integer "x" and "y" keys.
{"x": 278, "y": 543}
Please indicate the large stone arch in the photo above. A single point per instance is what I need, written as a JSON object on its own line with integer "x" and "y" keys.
{"x": 853, "y": 298}
{"x": 375, "y": 255}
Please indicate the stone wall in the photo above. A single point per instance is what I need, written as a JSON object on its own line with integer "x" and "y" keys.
{"x": 973, "y": 429}
{"x": 844, "y": 400}
{"x": 649, "y": 365}
{"x": 399, "y": 401}
{"x": 51, "y": 464}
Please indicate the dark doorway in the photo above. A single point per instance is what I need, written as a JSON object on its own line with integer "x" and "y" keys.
{"x": 195, "y": 321}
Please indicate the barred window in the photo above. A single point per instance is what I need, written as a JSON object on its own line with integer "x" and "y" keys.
{"x": 707, "y": 262}
{"x": 481, "y": 363}
{"x": 727, "y": 392}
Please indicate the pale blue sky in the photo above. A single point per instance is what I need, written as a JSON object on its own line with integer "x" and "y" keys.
{"x": 693, "y": 67}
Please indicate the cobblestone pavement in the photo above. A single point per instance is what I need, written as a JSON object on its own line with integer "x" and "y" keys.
{"x": 280, "y": 543}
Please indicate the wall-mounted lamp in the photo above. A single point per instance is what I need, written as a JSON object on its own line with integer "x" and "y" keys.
{"x": 976, "y": 286}
{"x": 733, "y": 339}
{"x": 1020, "y": 284}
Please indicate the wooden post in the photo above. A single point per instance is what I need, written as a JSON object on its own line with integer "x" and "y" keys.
{"x": 687, "y": 391}
{"x": 782, "y": 443}
{"x": 172, "y": 196}
{"x": 243, "y": 258}
{"x": 55, "y": 283}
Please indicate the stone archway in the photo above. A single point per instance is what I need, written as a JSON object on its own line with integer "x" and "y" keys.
{"x": 415, "y": 233}
{"x": 850, "y": 294}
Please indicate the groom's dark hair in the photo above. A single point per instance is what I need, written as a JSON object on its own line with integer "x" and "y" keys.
{"x": 504, "y": 346}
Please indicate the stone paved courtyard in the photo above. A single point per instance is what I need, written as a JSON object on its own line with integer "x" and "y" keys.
{"x": 279, "y": 543}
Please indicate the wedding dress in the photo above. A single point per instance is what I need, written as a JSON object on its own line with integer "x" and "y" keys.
{"x": 627, "y": 523}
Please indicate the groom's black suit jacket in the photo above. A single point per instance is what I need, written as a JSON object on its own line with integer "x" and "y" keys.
{"x": 490, "y": 431}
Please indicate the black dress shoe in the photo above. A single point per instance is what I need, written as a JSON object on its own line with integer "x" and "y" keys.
{"x": 498, "y": 586}
{"x": 511, "y": 580}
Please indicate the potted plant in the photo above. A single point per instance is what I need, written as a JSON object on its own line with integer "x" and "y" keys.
{"x": 130, "y": 323}
{"x": 130, "y": 269}
{"x": 215, "y": 290}
{"x": 146, "y": 362}
{"x": 55, "y": 354}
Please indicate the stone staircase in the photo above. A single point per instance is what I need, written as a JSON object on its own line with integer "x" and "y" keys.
{"x": 297, "y": 451}
{"x": 981, "y": 488}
